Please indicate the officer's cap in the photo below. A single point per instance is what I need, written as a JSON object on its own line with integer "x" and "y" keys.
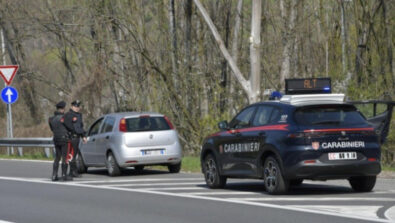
{"x": 61, "y": 104}
{"x": 76, "y": 103}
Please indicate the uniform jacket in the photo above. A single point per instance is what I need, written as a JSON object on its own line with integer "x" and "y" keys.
{"x": 58, "y": 129}
{"x": 73, "y": 123}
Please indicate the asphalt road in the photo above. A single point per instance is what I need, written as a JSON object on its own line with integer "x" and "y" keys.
{"x": 27, "y": 195}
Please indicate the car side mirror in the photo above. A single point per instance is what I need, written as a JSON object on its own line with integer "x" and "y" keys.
{"x": 223, "y": 125}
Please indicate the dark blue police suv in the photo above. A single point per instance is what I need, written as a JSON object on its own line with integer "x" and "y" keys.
{"x": 308, "y": 134}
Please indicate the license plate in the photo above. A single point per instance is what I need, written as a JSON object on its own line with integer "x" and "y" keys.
{"x": 342, "y": 156}
{"x": 153, "y": 152}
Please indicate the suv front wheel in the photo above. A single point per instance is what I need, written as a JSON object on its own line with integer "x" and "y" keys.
{"x": 211, "y": 173}
{"x": 273, "y": 178}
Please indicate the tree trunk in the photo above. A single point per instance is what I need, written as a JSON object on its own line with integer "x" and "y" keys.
{"x": 236, "y": 71}
{"x": 288, "y": 40}
{"x": 255, "y": 56}
{"x": 173, "y": 34}
{"x": 343, "y": 37}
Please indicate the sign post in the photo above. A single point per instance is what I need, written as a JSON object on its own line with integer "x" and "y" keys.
{"x": 9, "y": 95}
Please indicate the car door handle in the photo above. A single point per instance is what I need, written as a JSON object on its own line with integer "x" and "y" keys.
{"x": 262, "y": 133}
{"x": 107, "y": 137}
{"x": 93, "y": 139}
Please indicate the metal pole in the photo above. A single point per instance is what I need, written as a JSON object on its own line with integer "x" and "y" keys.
{"x": 9, "y": 121}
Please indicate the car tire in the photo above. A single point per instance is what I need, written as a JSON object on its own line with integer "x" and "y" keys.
{"x": 139, "y": 168}
{"x": 81, "y": 167}
{"x": 296, "y": 182}
{"x": 174, "y": 168}
{"x": 211, "y": 173}
{"x": 112, "y": 165}
{"x": 363, "y": 184}
{"x": 273, "y": 178}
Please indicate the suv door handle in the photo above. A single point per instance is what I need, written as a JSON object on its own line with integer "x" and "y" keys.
{"x": 93, "y": 139}
{"x": 107, "y": 137}
{"x": 262, "y": 133}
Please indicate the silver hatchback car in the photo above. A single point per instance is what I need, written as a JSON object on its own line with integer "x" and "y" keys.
{"x": 130, "y": 139}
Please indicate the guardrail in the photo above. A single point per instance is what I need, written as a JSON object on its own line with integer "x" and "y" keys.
{"x": 20, "y": 143}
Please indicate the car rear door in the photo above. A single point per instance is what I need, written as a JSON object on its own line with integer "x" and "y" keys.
{"x": 379, "y": 114}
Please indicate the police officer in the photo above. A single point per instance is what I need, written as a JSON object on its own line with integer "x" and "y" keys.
{"x": 60, "y": 139}
{"x": 75, "y": 128}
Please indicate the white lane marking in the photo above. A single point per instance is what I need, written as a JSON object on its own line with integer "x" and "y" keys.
{"x": 390, "y": 214}
{"x": 153, "y": 184}
{"x": 384, "y": 192}
{"x": 225, "y": 200}
{"x": 2, "y": 221}
{"x": 361, "y": 210}
{"x": 140, "y": 180}
{"x": 221, "y": 193}
{"x": 176, "y": 188}
{"x": 24, "y": 160}
{"x": 315, "y": 199}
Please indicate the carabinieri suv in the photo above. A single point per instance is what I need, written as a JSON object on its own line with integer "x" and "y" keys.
{"x": 300, "y": 136}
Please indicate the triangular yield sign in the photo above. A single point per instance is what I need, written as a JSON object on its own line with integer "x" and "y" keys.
{"x": 8, "y": 72}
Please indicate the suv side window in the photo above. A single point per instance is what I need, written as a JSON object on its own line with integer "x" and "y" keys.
{"x": 243, "y": 119}
{"x": 95, "y": 127}
{"x": 262, "y": 116}
{"x": 108, "y": 124}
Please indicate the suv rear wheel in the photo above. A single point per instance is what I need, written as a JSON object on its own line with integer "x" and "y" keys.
{"x": 211, "y": 173}
{"x": 112, "y": 165}
{"x": 362, "y": 184}
{"x": 273, "y": 178}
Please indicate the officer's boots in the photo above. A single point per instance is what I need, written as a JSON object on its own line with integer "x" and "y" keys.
{"x": 55, "y": 172}
{"x": 73, "y": 170}
{"x": 65, "y": 177}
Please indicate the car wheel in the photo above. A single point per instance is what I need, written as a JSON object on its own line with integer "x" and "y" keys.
{"x": 112, "y": 166}
{"x": 139, "y": 168}
{"x": 211, "y": 173}
{"x": 296, "y": 182}
{"x": 273, "y": 178}
{"x": 81, "y": 167}
{"x": 363, "y": 184}
{"x": 174, "y": 168}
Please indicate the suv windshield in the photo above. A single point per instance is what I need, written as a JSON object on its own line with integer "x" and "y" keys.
{"x": 146, "y": 124}
{"x": 329, "y": 115}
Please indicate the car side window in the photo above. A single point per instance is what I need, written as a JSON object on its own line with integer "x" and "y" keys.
{"x": 242, "y": 120}
{"x": 95, "y": 127}
{"x": 275, "y": 116}
{"x": 108, "y": 124}
{"x": 262, "y": 115}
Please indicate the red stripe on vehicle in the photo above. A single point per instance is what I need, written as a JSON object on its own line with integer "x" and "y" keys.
{"x": 282, "y": 127}
{"x": 267, "y": 127}
{"x": 338, "y": 130}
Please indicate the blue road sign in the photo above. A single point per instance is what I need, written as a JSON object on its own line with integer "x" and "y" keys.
{"x": 9, "y": 95}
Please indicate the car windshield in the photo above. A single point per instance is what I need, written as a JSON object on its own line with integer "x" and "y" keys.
{"x": 329, "y": 115}
{"x": 146, "y": 124}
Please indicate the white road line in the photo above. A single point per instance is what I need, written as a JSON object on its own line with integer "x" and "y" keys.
{"x": 210, "y": 193}
{"x": 176, "y": 188}
{"x": 361, "y": 210}
{"x": 225, "y": 200}
{"x": 2, "y": 221}
{"x": 384, "y": 192}
{"x": 315, "y": 199}
{"x": 154, "y": 184}
{"x": 23, "y": 160}
{"x": 390, "y": 214}
{"x": 140, "y": 180}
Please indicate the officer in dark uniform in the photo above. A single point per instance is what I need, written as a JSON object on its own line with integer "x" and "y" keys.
{"x": 75, "y": 128}
{"x": 60, "y": 139}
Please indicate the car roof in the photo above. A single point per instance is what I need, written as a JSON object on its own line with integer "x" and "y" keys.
{"x": 133, "y": 114}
